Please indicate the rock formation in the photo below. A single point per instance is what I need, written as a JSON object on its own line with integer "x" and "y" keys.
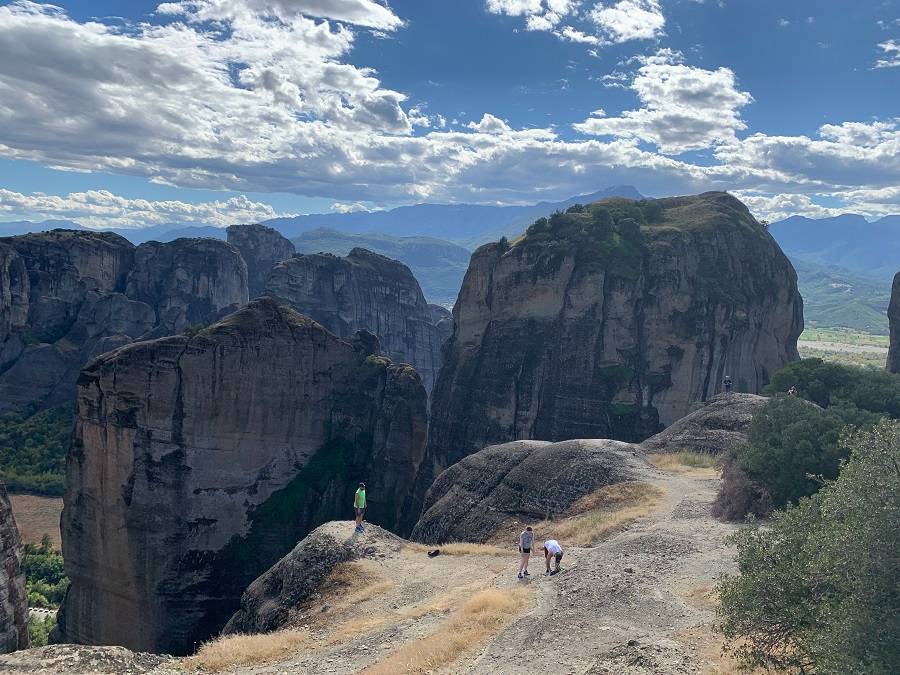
{"x": 719, "y": 426}
{"x": 893, "y": 359}
{"x": 610, "y": 321}
{"x": 80, "y": 660}
{"x": 188, "y": 282}
{"x": 271, "y": 600}
{"x": 200, "y": 460}
{"x": 66, "y": 296}
{"x": 364, "y": 291}
{"x": 262, "y": 248}
{"x": 13, "y": 600}
{"x": 524, "y": 480}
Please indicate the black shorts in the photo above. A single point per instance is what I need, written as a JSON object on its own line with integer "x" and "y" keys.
{"x": 360, "y": 512}
{"x": 526, "y": 550}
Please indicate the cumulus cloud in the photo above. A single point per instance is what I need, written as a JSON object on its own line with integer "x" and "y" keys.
{"x": 891, "y": 58}
{"x": 683, "y": 107}
{"x": 100, "y": 208}
{"x": 360, "y": 12}
{"x": 628, "y": 20}
{"x": 489, "y": 125}
{"x": 341, "y": 207}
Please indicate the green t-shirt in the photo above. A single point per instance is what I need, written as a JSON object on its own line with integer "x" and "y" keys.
{"x": 360, "y": 499}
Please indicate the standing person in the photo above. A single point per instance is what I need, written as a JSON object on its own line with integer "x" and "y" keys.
{"x": 359, "y": 503}
{"x": 552, "y": 548}
{"x": 726, "y": 383}
{"x": 526, "y": 541}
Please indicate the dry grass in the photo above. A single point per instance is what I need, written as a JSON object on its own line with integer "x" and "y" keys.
{"x": 236, "y": 651}
{"x": 461, "y": 548}
{"x": 696, "y": 463}
{"x": 479, "y": 618}
{"x": 37, "y": 516}
{"x": 351, "y": 583}
{"x": 604, "y": 511}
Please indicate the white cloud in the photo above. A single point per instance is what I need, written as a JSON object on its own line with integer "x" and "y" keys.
{"x": 359, "y": 12}
{"x": 489, "y": 125}
{"x": 891, "y": 58}
{"x": 683, "y": 107}
{"x": 100, "y": 208}
{"x": 342, "y": 207}
{"x": 629, "y": 20}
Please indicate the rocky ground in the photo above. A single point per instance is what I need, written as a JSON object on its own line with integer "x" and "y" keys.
{"x": 638, "y": 602}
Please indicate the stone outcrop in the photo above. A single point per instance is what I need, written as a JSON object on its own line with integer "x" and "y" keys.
{"x": 271, "y": 600}
{"x": 201, "y": 459}
{"x": 188, "y": 282}
{"x": 611, "y": 321}
{"x": 368, "y": 291}
{"x": 80, "y": 660}
{"x": 719, "y": 426}
{"x": 893, "y": 359}
{"x": 262, "y": 248}
{"x": 522, "y": 480}
{"x": 13, "y": 600}
{"x": 67, "y": 296}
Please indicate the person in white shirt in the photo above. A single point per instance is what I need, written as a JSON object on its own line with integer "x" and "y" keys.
{"x": 554, "y": 550}
{"x": 526, "y": 541}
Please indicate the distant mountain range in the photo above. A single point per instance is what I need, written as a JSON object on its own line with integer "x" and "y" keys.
{"x": 845, "y": 263}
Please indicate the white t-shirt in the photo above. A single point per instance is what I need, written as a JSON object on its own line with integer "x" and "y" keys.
{"x": 553, "y": 546}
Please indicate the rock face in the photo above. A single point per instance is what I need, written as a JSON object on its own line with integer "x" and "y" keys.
{"x": 13, "y": 600}
{"x": 526, "y": 480}
{"x": 66, "y": 296}
{"x": 610, "y": 321}
{"x": 79, "y": 660}
{"x": 719, "y": 426}
{"x": 200, "y": 460}
{"x": 270, "y": 600}
{"x": 262, "y": 248}
{"x": 188, "y": 281}
{"x": 893, "y": 359}
{"x": 364, "y": 291}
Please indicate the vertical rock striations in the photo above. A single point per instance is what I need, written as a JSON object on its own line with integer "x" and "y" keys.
{"x": 893, "y": 359}
{"x": 201, "y": 460}
{"x": 611, "y": 320}
{"x": 262, "y": 248}
{"x": 14, "y": 292}
{"x": 368, "y": 291}
{"x": 13, "y": 600}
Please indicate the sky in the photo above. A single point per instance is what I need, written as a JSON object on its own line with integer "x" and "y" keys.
{"x": 126, "y": 114}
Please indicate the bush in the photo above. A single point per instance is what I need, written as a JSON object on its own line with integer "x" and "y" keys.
{"x": 39, "y": 630}
{"x": 45, "y": 575}
{"x": 33, "y": 451}
{"x": 817, "y": 590}
{"x": 827, "y": 384}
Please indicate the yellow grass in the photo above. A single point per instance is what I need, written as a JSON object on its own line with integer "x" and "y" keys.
{"x": 37, "y": 516}
{"x": 604, "y": 511}
{"x": 461, "y": 548}
{"x": 479, "y": 618}
{"x": 351, "y": 583}
{"x": 235, "y": 651}
{"x": 701, "y": 463}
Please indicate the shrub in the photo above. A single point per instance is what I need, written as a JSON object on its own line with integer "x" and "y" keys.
{"x": 39, "y": 629}
{"x": 817, "y": 589}
{"x": 45, "y": 576}
{"x": 33, "y": 451}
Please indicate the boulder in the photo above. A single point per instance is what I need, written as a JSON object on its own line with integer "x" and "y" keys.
{"x": 611, "y": 321}
{"x": 718, "y": 427}
{"x": 201, "y": 459}
{"x": 521, "y": 480}
{"x": 271, "y": 600}
{"x": 188, "y": 282}
{"x": 262, "y": 248}
{"x": 13, "y": 599}
{"x": 893, "y": 359}
{"x": 368, "y": 291}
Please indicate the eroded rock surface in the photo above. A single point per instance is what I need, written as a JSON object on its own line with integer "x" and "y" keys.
{"x": 610, "y": 321}
{"x": 524, "y": 480}
{"x": 719, "y": 426}
{"x": 13, "y": 600}
{"x": 200, "y": 460}
{"x": 262, "y": 248}
{"x": 364, "y": 290}
{"x": 83, "y": 660}
{"x": 893, "y": 359}
{"x": 272, "y": 600}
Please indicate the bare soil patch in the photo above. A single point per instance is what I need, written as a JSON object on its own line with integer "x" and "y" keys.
{"x": 37, "y": 516}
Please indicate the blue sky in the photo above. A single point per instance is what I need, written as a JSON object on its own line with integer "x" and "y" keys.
{"x": 216, "y": 112}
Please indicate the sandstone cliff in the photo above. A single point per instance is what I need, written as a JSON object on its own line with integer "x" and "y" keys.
{"x": 66, "y": 296}
{"x": 13, "y": 600}
{"x": 262, "y": 248}
{"x": 610, "y": 321}
{"x": 200, "y": 460}
{"x": 187, "y": 281}
{"x": 364, "y": 291}
{"x": 893, "y": 359}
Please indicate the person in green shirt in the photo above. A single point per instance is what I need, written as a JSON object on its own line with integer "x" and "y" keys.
{"x": 359, "y": 503}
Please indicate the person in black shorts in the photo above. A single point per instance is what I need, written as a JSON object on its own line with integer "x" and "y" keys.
{"x": 526, "y": 541}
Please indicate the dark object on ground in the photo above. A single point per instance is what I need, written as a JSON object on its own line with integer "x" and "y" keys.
{"x": 435, "y": 553}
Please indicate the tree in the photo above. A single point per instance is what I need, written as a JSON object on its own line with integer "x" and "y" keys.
{"x": 817, "y": 589}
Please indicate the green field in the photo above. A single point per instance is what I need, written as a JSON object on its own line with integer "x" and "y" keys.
{"x": 844, "y": 346}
